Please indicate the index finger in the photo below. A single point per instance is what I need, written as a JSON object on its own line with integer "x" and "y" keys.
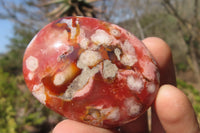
{"x": 162, "y": 54}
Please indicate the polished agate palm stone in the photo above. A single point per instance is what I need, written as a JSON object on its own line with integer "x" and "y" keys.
{"x": 91, "y": 71}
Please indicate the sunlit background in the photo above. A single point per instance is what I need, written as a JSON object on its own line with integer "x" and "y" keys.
{"x": 175, "y": 21}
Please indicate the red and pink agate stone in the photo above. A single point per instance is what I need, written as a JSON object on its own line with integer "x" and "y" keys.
{"x": 91, "y": 71}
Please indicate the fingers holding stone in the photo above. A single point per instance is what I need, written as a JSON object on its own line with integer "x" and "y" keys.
{"x": 70, "y": 126}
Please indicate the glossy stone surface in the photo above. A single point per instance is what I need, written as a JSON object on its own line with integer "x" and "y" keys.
{"x": 91, "y": 71}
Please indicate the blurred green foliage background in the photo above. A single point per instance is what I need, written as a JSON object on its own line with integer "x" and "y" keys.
{"x": 20, "y": 112}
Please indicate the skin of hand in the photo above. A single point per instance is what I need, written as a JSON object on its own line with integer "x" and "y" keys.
{"x": 172, "y": 112}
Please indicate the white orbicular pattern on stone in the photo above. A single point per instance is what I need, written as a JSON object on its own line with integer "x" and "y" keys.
{"x": 30, "y": 75}
{"x": 118, "y": 52}
{"x": 151, "y": 87}
{"x": 115, "y": 32}
{"x": 89, "y": 58}
{"x": 132, "y": 107}
{"x": 135, "y": 84}
{"x": 39, "y": 92}
{"x": 109, "y": 69}
{"x": 128, "y": 60}
{"x": 32, "y": 63}
{"x": 101, "y": 37}
{"x": 111, "y": 113}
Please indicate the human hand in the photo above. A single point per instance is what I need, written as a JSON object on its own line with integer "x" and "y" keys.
{"x": 171, "y": 112}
